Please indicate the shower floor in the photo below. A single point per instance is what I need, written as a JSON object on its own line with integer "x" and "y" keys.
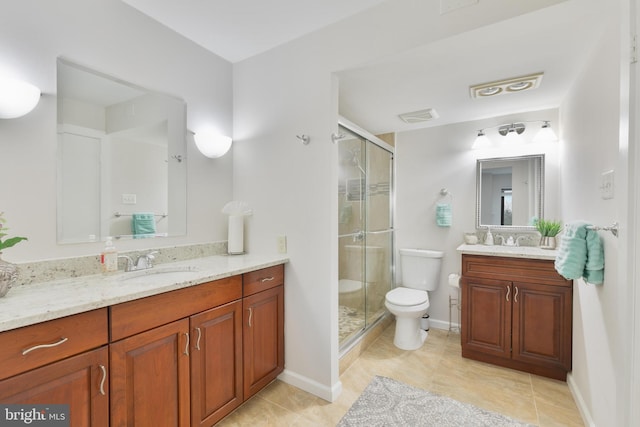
{"x": 351, "y": 321}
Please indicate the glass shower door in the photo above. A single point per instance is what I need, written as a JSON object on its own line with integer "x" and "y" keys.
{"x": 365, "y": 232}
{"x": 379, "y": 230}
{"x": 351, "y": 239}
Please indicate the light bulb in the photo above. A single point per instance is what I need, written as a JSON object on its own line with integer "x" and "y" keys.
{"x": 17, "y": 98}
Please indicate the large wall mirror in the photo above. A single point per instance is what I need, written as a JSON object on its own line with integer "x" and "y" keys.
{"x": 510, "y": 192}
{"x": 122, "y": 168}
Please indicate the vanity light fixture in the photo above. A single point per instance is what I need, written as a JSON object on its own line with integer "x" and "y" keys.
{"x": 513, "y": 132}
{"x": 211, "y": 144}
{"x": 545, "y": 134}
{"x": 482, "y": 141}
{"x": 17, "y": 98}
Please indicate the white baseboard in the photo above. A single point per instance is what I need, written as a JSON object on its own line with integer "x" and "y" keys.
{"x": 580, "y": 403}
{"x": 329, "y": 394}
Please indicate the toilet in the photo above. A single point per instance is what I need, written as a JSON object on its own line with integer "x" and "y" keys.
{"x": 410, "y": 301}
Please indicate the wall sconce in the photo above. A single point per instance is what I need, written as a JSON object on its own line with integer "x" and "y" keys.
{"x": 513, "y": 131}
{"x": 211, "y": 144}
{"x": 17, "y": 98}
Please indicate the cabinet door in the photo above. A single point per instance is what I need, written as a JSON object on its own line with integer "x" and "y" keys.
{"x": 150, "y": 378}
{"x": 216, "y": 363}
{"x": 79, "y": 381}
{"x": 542, "y": 325}
{"x": 486, "y": 316}
{"x": 263, "y": 338}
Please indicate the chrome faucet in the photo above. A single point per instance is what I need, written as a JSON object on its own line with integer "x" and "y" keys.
{"x": 145, "y": 261}
{"x": 129, "y": 266}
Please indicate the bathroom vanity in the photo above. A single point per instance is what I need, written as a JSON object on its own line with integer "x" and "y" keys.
{"x": 516, "y": 309}
{"x": 154, "y": 349}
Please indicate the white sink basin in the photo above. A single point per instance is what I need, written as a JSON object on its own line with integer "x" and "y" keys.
{"x": 173, "y": 274}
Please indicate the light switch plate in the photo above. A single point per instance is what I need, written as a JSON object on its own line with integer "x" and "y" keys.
{"x": 607, "y": 185}
{"x": 129, "y": 199}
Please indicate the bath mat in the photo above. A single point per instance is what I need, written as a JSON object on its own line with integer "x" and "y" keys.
{"x": 389, "y": 403}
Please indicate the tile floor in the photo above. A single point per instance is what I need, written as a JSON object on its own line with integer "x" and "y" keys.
{"x": 437, "y": 367}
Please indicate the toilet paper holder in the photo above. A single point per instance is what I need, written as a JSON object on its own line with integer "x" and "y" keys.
{"x": 454, "y": 282}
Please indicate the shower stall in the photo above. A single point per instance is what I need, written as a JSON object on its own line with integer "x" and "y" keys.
{"x": 365, "y": 227}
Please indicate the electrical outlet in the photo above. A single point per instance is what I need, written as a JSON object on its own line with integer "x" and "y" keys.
{"x": 282, "y": 244}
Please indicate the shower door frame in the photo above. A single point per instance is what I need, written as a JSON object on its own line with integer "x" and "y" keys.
{"x": 370, "y": 138}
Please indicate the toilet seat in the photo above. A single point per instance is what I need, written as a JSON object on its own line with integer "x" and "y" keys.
{"x": 407, "y": 297}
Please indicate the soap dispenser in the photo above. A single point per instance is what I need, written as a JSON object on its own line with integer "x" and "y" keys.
{"x": 109, "y": 257}
{"x": 488, "y": 240}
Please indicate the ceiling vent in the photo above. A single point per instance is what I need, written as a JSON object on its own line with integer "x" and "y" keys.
{"x": 419, "y": 116}
{"x": 501, "y": 87}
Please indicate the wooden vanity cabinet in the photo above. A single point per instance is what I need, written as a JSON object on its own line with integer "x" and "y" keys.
{"x": 62, "y": 361}
{"x": 516, "y": 313}
{"x": 263, "y": 330}
{"x": 186, "y": 358}
{"x": 216, "y": 363}
{"x": 156, "y": 357}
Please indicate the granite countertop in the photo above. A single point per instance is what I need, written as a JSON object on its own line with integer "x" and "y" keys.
{"x": 38, "y": 302}
{"x": 533, "y": 252}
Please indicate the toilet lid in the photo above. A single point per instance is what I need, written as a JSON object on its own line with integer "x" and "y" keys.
{"x": 407, "y": 297}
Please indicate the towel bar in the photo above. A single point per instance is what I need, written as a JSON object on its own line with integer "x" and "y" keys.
{"x": 118, "y": 214}
{"x": 613, "y": 228}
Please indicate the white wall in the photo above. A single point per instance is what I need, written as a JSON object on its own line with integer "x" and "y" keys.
{"x": 593, "y": 121}
{"x": 113, "y": 38}
{"x": 430, "y": 159}
{"x": 292, "y": 188}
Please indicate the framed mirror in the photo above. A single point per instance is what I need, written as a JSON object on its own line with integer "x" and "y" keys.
{"x": 510, "y": 192}
{"x": 122, "y": 167}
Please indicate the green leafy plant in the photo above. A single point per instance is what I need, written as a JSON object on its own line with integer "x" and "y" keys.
{"x": 11, "y": 241}
{"x": 548, "y": 228}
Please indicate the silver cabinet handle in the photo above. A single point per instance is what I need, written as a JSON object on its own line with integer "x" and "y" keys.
{"x": 186, "y": 347}
{"x": 198, "y": 341}
{"x": 250, "y": 315}
{"x": 267, "y": 279}
{"x": 515, "y": 296}
{"x": 104, "y": 378}
{"x": 508, "y": 292}
{"x": 36, "y": 347}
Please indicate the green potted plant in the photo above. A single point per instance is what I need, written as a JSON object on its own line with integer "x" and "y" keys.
{"x": 548, "y": 231}
{"x": 8, "y": 271}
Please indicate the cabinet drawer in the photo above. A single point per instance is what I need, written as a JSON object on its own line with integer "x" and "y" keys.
{"x": 260, "y": 280}
{"x": 33, "y": 346}
{"x": 140, "y": 315}
{"x": 513, "y": 269}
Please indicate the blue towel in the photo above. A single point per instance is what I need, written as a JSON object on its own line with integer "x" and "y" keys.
{"x": 580, "y": 254}
{"x": 443, "y": 215}
{"x": 143, "y": 224}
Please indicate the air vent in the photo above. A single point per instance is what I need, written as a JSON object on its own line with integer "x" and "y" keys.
{"x": 419, "y": 116}
{"x": 501, "y": 87}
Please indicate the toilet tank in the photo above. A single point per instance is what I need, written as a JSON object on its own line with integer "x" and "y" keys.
{"x": 420, "y": 268}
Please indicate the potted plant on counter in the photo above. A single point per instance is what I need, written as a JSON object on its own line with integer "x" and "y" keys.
{"x": 8, "y": 271}
{"x": 548, "y": 231}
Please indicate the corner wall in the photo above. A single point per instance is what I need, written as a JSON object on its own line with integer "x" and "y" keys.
{"x": 594, "y": 140}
